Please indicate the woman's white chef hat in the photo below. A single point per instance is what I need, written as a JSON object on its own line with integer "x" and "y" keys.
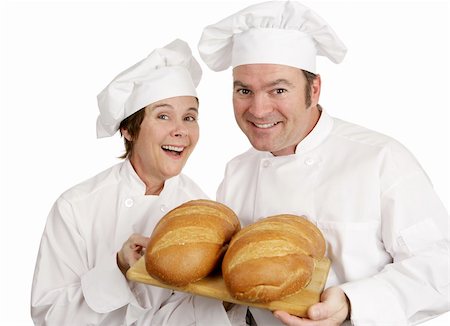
{"x": 274, "y": 32}
{"x": 166, "y": 72}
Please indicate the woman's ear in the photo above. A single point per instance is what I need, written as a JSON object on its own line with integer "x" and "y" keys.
{"x": 126, "y": 134}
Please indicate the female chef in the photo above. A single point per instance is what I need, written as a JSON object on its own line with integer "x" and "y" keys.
{"x": 97, "y": 229}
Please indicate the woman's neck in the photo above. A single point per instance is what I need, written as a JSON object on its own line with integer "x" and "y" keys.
{"x": 153, "y": 189}
{"x": 153, "y": 185}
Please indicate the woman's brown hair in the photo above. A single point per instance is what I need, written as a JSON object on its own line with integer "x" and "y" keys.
{"x": 133, "y": 125}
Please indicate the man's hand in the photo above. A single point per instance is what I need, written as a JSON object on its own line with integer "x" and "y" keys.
{"x": 333, "y": 309}
{"x": 131, "y": 251}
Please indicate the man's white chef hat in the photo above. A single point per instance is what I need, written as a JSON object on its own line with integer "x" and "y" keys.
{"x": 275, "y": 32}
{"x": 166, "y": 72}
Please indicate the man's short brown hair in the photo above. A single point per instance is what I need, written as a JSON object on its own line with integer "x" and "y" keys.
{"x": 309, "y": 81}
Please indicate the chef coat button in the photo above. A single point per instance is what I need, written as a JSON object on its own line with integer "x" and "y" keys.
{"x": 309, "y": 161}
{"x": 129, "y": 202}
{"x": 266, "y": 164}
{"x": 163, "y": 208}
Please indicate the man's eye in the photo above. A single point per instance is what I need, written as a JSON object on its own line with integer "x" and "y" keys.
{"x": 280, "y": 91}
{"x": 163, "y": 117}
{"x": 243, "y": 91}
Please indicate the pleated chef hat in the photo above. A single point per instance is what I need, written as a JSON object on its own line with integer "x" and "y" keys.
{"x": 166, "y": 72}
{"x": 275, "y": 32}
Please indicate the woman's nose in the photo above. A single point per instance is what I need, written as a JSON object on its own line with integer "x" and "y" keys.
{"x": 180, "y": 131}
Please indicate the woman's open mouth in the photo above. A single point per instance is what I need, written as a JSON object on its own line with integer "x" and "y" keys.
{"x": 173, "y": 150}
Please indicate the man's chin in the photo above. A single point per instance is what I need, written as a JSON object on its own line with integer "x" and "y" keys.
{"x": 275, "y": 150}
{"x": 262, "y": 147}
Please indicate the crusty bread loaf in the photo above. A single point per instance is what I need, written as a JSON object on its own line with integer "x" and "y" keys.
{"x": 272, "y": 258}
{"x": 188, "y": 242}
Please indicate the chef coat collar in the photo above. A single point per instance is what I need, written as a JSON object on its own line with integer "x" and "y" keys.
{"x": 321, "y": 131}
{"x": 136, "y": 185}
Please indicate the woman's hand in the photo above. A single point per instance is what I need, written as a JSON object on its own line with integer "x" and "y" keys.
{"x": 131, "y": 251}
{"x": 333, "y": 309}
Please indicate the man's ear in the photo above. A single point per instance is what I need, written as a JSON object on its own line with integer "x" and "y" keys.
{"x": 315, "y": 90}
{"x": 126, "y": 134}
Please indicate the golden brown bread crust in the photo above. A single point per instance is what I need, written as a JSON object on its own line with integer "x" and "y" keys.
{"x": 272, "y": 258}
{"x": 188, "y": 241}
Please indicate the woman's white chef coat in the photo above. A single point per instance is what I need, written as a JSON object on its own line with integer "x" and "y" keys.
{"x": 386, "y": 229}
{"x": 77, "y": 281}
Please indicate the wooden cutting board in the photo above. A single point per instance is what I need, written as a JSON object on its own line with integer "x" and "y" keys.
{"x": 214, "y": 287}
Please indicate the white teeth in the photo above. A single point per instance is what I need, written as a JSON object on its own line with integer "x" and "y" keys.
{"x": 265, "y": 125}
{"x": 173, "y": 148}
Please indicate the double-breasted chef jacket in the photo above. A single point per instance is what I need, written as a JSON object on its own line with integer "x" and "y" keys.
{"x": 385, "y": 227}
{"x": 77, "y": 281}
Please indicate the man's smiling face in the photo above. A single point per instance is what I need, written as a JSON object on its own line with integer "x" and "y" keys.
{"x": 270, "y": 107}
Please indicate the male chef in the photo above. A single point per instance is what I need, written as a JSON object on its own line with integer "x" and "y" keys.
{"x": 383, "y": 222}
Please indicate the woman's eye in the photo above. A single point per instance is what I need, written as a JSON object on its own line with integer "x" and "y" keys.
{"x": 190, "y": 118}
{"x": 163, "y": 117}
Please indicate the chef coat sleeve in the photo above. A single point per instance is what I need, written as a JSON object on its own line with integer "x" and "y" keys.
{"x": 414, "y": 230}
{"x": 66, "y": 290}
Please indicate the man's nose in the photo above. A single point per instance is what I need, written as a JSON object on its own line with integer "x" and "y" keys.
{"x": 260, "y": 106}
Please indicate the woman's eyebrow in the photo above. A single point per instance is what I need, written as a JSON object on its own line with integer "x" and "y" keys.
{"x": 168, "y": 106}
{"x": 157, "y": 106}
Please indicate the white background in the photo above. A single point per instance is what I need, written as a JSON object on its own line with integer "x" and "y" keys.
{"x": 56, "y": 57}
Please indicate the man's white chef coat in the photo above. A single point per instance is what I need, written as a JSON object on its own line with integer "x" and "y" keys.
{"x": 386, "y": 229}
{"x": 77, "y": 281}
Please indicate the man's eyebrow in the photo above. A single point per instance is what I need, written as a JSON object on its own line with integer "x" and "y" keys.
{"x": 277, "y": 82}
{"x": 238, "y": 83}
{"x": 281, "y": 81}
